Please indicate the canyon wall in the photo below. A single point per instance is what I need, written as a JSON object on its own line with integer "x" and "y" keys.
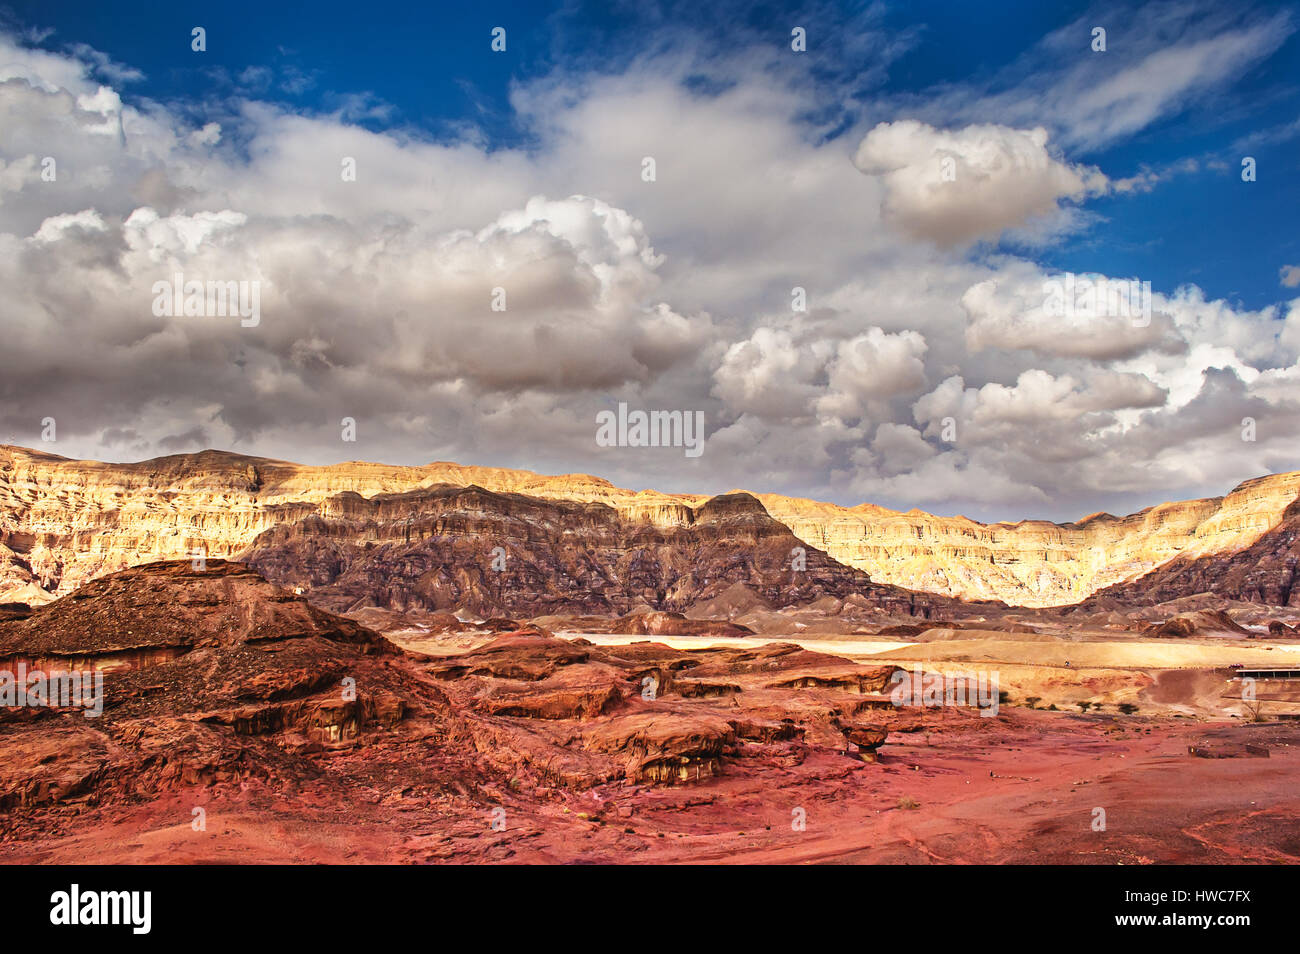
{"x": 1267, "y": 571}
{"x": 64, "y": 522}
{"x": 1034, "y": 562}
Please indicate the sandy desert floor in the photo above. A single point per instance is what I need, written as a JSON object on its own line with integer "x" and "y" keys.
{"x": 1027, "y": 786}
{"x": 1159, "y": 676}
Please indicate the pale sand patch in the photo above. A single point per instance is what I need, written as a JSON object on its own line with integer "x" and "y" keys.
{"x": 836, "y": 647}
{"x": 1128, "y": 654}
{"x": 1099, "y": 671}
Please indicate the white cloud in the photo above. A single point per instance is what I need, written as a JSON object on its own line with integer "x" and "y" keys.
{"x": 1162, "y": 60}
{"x": 672, "y": 294}
{"x": 1077, "y": 316}
{"x": 1101, "y": 108}
{"x": 163, "y": 238}
{"x": 771, "y": 375}
{"x": 873, "y": 366}
{"x": 57, "y": 226}
{"x": 953, "y": 186}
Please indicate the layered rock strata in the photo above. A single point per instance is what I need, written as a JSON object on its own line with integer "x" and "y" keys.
{"x": 64, "y": 522}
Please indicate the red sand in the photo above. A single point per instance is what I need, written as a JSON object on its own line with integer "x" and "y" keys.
{"x": 1049, "y": 772}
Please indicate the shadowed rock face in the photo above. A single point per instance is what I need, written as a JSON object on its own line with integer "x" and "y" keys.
{"x": 195, "y": 665}
{"x": 485, "y": 553}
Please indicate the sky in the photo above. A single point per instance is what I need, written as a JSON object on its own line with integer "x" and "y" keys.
{"x": 835, "y": 231}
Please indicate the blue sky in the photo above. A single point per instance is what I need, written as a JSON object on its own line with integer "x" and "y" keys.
{"x": 776, "y": 169}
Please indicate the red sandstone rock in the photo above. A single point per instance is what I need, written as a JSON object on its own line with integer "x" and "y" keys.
{"x": 659, "y": 744}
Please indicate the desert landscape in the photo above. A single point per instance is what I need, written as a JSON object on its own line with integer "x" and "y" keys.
{"x": 656, "y": 433}
{"x": 362, "y": 663}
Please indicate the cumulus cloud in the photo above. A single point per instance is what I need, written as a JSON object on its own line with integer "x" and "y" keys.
{"x": 1036, "y": 402}
{"x": 898, "y": 449}
{"x": 872, "y": 366}
{"x": 778, "y": 375}
{"x": 770, "y": 375}
{"x": 952, "y": 186}
{"x": 376, "y": 297}
{"x": 1084, "y": 316}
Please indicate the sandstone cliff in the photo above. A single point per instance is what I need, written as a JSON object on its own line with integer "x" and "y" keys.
{"x": 1034, "y": 562}
{"x": 1267, "y": 571}
{"x": 64, "y": 522}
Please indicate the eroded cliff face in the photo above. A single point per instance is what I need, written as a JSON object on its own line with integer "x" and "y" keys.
{"x": 1034, "y": 563}
{"x": 1267, "y": 571}
{"x": 65, "y": 522}
{"x": 466, "y": 549}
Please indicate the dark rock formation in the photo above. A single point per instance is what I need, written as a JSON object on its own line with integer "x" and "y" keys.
{"x": 485, "y": 553}
{"x": 1198, "y": 623}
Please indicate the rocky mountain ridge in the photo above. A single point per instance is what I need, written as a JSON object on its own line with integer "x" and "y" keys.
{"x": 473, "y": 551}
{"x": 1036, "y": 563}
{"x": 1267, "y": 571}
{"x": 65, "y": 522}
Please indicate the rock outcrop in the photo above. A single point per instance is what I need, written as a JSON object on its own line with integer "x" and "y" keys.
{"x": 197, "y": 670}
{"x": 1198, "y": 623}
{"x": 649, "y": 713}
{"x": 483, "y": 553}
{"x": 215, "y": 677}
